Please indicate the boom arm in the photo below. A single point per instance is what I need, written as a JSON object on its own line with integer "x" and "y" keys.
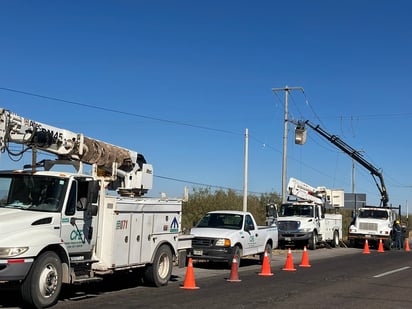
{"x": 129, "y": 165}
{"x": 355, "y": 155}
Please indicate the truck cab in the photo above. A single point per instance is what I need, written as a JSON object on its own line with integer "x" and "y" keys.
{"x": 373, "y": 224}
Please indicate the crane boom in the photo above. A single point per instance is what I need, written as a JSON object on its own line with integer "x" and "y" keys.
{"x": 353, "y": 153}
{"x": 126, "y": 164}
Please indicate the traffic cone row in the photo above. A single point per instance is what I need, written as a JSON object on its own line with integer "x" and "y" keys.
{"x": 190, "y": 284}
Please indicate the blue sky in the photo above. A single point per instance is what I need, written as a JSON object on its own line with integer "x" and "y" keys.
{"x": 180, "y": 81}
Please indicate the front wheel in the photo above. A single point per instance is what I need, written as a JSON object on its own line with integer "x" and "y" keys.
{"x": 237, "y": 253}
{"x": 313, "y": 241}
{"x": 42, "y": 285}
{"x": 158, "y": 273}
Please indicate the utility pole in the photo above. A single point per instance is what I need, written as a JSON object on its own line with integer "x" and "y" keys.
{"x": 285, "y": 137}
{"x": 245, "y": 178}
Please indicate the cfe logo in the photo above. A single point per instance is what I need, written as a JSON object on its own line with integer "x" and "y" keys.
{"x": 76, "y": 235}
{"x": 174, "y": 226}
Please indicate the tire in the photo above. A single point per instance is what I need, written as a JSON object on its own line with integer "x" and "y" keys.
{"x": 268, "y": 249}
{"x": 313, "y": 241}
{"x": 237, "y": 253}
{"x": 42, "y": 286}
{"x": 387, "y": 244}
{"x": 158, "y": 273}
{"x": 335, "y": 239}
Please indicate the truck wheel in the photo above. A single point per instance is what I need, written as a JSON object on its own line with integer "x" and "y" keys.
{"x": 335, "y": 240}
{"x": 237, "y": 253}
{"x": 42, "y": 285}
{"x": 158, "y": 273}
{"x": 387, "y": 244}
{"x": 313, "y": 241}
{"x": 268, "y": 249}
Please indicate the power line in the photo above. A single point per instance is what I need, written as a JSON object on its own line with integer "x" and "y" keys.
{"x": 203, "y": 184}
{"x": 118, "y": 111}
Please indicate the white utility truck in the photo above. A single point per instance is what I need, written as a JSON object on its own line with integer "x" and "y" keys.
{"x": 71, "y": 227}
{"x": 223, "y": 235}
{"x": 303, "y": 221}
{"x": 374, "y": 224}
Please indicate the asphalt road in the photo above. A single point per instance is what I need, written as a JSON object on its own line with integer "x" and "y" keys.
{"x": 342, "y": 277}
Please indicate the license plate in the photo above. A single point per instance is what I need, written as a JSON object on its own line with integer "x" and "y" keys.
{"x": 367, "y": 236}
{"x": 197, "y": 252}
{"x": 288, "y": 239}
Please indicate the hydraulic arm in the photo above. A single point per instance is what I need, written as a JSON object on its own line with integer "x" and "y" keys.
{"x": 353, "y": 153}
{"x": 128, "y": 165}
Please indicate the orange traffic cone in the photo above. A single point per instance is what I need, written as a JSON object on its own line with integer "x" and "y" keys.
{"x": 265, "y": 271}
{"x": 305, "y": 258}
{"x": 234, "y": 276}
{"x": 289, "y": 262}
{"x": 407, "y": 245}
{"x": 380, "y": 248}
{"x": 189, "y": 283}
{"x": 366, "y": 248}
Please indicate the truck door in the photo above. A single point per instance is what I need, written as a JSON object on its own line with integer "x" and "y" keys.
{"x": 253, "y": 239}
{"x": 77, "y": 222}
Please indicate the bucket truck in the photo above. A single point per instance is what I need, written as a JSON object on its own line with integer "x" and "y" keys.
{"x": 304, "y": 221}
{"x": 61, "y": 227}
{"x": 373, "y": 223}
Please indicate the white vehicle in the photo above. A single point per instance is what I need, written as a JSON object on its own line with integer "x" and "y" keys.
{"x": 58, "y": 227}
{"x": 223, "y": 235}
{"x": 373, "y": 224}
{"x": 303, "y": 222}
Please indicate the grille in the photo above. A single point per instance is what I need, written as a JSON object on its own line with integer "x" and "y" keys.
{"x": 288, "y": 225}
{"x": 368, "y": 226}
{"x": 201, "y": 242}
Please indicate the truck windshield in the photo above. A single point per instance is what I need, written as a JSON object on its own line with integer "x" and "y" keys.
{"x": 373, "y": 213}
{"x": 32, "y": 192}
{"x": 222, "y": 221}
{"x": 302, "y": 210}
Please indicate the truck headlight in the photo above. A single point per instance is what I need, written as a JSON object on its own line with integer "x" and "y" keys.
{"x": 305, "y": 230}
{"x": 352, "y": 229}
{"x": 222, "y": 242}
{"x": 11, "y": 252}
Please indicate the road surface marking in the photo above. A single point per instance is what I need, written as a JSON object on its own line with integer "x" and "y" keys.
{"x": 391, "y": 272}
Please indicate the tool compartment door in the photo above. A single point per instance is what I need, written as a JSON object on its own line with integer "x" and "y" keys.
{"x": 121, "y": 243}
{"x": 136, "y": 238}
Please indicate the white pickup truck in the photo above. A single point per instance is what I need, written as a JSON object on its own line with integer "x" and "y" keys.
{"x": 224, "y": 235}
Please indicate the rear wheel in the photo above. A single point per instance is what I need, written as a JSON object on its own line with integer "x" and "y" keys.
{"x": 335, "y": 240}
{"x": 268, "y": 250}
{"x": 42, "y": 286}
{"x": 158, "y": 273}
